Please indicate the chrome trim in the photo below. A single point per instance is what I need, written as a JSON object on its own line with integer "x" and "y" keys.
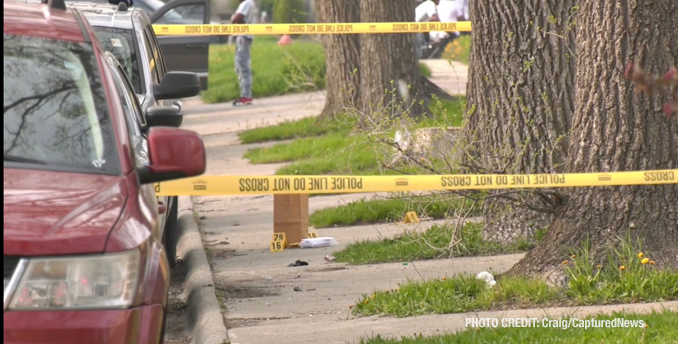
{"x": 8, "y": 292}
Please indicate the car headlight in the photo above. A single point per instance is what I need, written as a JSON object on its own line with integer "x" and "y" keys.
{"x": 107, "y": 281}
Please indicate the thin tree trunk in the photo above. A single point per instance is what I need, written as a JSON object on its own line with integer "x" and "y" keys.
{"x": 342, "y": 57}
{"x": 390, "y": 79}
{"x": 520, "y": 101}
{"x": 616, "y": 128}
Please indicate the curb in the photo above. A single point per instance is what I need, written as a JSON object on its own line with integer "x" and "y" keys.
{"x": 204, "y": 320}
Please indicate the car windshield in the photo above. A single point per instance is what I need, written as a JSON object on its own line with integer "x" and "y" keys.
{"x": 55, "y": 109}
{"x": 120, "y": 43}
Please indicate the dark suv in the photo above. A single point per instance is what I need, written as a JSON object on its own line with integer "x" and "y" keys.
{"x": 182, "y": 53}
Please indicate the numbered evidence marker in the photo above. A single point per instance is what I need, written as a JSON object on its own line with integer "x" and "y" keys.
{"x": 312, "y": 235}
{"x": 411, "y": 217}
{"x": 279, "y": 242}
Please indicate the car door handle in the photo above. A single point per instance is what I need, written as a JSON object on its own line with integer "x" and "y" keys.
{"x": 196, "y": 45}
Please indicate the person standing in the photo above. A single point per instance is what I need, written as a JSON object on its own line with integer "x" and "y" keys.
{"x": 452, "y": 11}
{"x": 243, "y": 59}
{"x": 426, "y": 11}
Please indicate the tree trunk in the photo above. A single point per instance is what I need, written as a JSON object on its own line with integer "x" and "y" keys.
{"x": 616, "y": 128}
{"x": 389, "y": 71}
{"x": 342, "y": 57}
{"x": 520, "y": 102}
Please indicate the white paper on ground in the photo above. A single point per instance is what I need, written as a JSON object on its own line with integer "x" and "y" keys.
{"x": 318, "y": 242}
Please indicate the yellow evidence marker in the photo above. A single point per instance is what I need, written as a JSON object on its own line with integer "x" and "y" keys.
{"x": 279, "y": 242}
{"x": 411, "y": 217}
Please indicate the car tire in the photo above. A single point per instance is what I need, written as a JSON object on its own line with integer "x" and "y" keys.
{"x": 170, "y": 233}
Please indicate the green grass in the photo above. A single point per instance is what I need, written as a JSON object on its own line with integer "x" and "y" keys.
{"x": 336, "y": 152}
{"x": 384, "y": 210}
{"x": 447, "y": 113}
{"x": 459, "y": 50}
{"x": 276, "y": 70}
{"x": 424, "y": 70}
{"x": 430, "y": 244}
{"x": 332, "y": 147}
{"x": 661, "y": 328}
{"x": 588, "y": 284}
{"x": 306, "y": 127}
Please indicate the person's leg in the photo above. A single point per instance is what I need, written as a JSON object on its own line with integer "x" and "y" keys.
{"x": 243, "y": 70}
{"x": 246, "y": 89}
{"x": 236, "y": 62}
{"x": 419, "y": 44}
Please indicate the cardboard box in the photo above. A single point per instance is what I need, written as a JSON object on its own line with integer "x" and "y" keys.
{"x": 290, "y": 216}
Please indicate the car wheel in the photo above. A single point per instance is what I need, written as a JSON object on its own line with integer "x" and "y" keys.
{"x": 170, "y": 233}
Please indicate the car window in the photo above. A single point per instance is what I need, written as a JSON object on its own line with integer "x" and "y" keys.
{"x": 156, "y": 44}
{"x": 132, "y": 101}
{"x": 55, "y": 108}
{"x": 170, "y": 17}
{"x": 145, "y": 7}
{"x": 157, "y": 54}
{"x": 120, "y": 42}
{"x": 151, "y": 59}
{"x": 132, "y": 114}
{"x": 136, "y": 107}
{"x": 184, "y": 14}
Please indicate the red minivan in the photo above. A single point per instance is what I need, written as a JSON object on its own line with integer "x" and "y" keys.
{"x": 83, "y": 255}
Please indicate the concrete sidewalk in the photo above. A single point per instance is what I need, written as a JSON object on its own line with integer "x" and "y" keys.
{"x": 451, "y": 76}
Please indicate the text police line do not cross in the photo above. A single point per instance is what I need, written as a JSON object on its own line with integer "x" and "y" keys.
{"x": 308, "y": 29}
{"x": 261, "y": 185}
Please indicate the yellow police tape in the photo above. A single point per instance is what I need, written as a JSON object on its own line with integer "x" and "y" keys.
{"x": 262, "y": 185}
{"x": 307, "y": 29}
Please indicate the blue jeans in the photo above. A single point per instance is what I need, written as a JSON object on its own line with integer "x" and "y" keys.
{"x": 243, "y": 67}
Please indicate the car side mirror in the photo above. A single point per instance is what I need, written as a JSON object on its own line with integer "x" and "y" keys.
{"x": 177, "y": 85}
{"x": 164, "y": 116}
{"x": 173, "y": 154}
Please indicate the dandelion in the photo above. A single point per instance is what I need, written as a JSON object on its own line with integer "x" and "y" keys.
{"x": 444, "y": 278}
{"x": 564, "y": 262}
{"x": 640, "y": 255}
{"x": 367, "y": 300}
{"x": 652, "y": 262}
{"x": 574, "y": 256}
{"x": 599, "y": 267}
{"x": 647, "y": 325}
{"x": 622, "y": 268}
{"x": 645, "y": 260}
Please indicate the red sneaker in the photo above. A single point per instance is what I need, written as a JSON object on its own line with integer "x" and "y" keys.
{"x": 243, "y": 102}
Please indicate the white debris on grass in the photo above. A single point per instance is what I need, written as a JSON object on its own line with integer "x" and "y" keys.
{"x": 488, "y": 278}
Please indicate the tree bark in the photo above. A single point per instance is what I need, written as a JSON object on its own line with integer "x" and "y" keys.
{"x": 342, "y": 57}
{"x": 616, "y": 128}
{"x": 389, "y": 71}
{"x": 520, "y": 101}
